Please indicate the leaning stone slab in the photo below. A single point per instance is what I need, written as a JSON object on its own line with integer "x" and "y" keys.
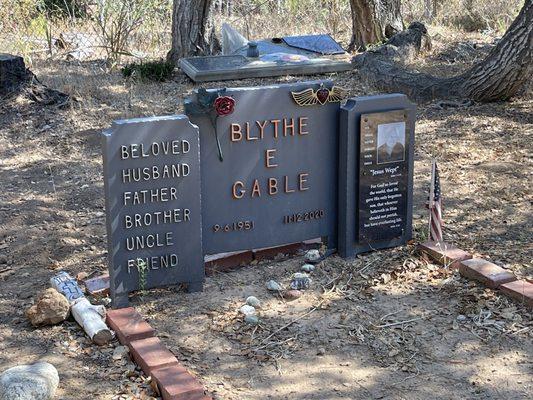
{"x": 37, "y": 381}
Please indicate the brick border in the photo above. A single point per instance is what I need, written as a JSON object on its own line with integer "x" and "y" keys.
{"x": 173, "y": 380}
{"x": 480, "y": 270}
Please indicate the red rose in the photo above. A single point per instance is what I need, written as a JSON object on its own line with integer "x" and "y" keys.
{"x": 224, "y": 105}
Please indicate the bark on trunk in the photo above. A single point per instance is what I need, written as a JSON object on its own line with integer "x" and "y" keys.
{"x": 508, "y": 66}
{"x": 193, "y": 33}
{"x": 373, "y": 21}
{"x": 499, "y": 76}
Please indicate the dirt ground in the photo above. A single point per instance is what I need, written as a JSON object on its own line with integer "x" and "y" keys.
{"x": 387, "y": 325}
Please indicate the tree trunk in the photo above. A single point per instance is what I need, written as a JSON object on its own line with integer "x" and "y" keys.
{"x": 192, "y": 29}
{"x": 373, "y": 21}
{"x": 499, "y": 76}
{"x": 508, "y": 66}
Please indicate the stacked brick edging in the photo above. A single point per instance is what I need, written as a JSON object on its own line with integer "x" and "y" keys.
{"x": 173, "y": 380}
{"x": 478, "y": 269}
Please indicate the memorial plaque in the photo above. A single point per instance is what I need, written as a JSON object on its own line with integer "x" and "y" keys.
{"x": 322, "y": 44}
{"x": 383, "y": 176}
{"x": 152, "y": 192}
{"x": 375, "y": 173}
{"x": 273, "y": 179}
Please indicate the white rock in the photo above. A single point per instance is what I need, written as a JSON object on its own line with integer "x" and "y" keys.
{"x": 308, "y": 268}
{"x": 274, "y": 286}
{"x": 253, "y": 301}
{"x": 37, "y": 381}
{"x": 312, "y": 256}
{"x": 247, "y": 310}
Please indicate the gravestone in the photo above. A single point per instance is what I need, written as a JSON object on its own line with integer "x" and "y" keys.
{"x": 322, "y": 44}
{"x": 152, "y": 195}
{"x": 277, "y": 181}
{"x": 375, "y": 173}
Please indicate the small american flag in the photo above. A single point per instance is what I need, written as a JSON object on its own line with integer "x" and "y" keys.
{"x": 435, "y": 206}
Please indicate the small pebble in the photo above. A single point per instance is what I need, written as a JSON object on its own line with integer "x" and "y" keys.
{"x": 274, "y": 286}
{"x": 308, "y": 268}
{"x": 251, "y": 319}
{"x": 320, "y": 351}
{"x": 461, "y": 318}
{"x": 292, "y": 294}
{"x": 312, "y": 256}
{"x": 247, "y": 310}
{"x": 300, "y": 281}
{"x": 253, "y": 301}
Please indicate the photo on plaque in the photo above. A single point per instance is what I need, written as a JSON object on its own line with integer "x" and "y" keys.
{"x": 391, "y": 142}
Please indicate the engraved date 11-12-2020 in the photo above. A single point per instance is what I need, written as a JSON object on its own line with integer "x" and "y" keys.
{"x": 303, "y": 216}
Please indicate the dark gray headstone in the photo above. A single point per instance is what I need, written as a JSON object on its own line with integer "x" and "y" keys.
{"x": 152, "y": 191}
{"x": 217, "y": 63}
{"x": 322, "y": 44}
{"x": 275, "y": 187}
{"x": 375, "y": 173}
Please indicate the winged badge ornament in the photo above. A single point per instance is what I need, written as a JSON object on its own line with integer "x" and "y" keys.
{"x": 323, "y": 95}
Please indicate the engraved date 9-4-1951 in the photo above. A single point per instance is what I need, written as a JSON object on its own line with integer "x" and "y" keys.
{"x": 234, "y": 226}
{"x": 303, "y": 217}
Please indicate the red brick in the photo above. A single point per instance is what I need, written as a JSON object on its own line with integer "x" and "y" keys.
{"x": 489, "y": 274}
{"x": 272, "y": 252}
{"x": 151, "y": 354}
{"x": 98, "y": 285}
{"x": 445, "y": 254}
{"x": 176, "y": 383}
{"x": 229, "y": 262}
{"x": 521, "y": 290}
{"x": 129, "y": 325}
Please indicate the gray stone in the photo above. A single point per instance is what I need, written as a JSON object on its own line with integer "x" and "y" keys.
{"x": 300, "y": 281}
{"x": 274, "y": 286}
{"x": 37, "y": 381}
{"x": 308, "y": 268}
{"x": 253, "y": 301}
{"x": 120, "y": 352}
{"x": 251, "y": 319}
{"x": 247, "y": 310}
{"x": 152, "y": 167}
{"x": 312, "y": 256}
{"x": 50, "y": 308}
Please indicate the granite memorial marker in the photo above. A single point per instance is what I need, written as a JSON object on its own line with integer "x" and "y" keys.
{"x": 152, "y": 192}
{"x": 278, "y": 165}
{"x": 375, "y": 173}
{"x": 269, "y": 168}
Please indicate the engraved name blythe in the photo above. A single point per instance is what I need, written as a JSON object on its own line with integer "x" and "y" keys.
{"x": 166, "y": 174}
{"x": 255, "y": 132}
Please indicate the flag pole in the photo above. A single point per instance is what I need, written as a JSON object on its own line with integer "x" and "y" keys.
{"x": 431, "y": 195}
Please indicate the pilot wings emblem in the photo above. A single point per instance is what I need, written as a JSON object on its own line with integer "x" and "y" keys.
{"x": 322, "y": 95}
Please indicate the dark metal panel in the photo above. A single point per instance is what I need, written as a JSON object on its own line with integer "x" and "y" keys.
{"x": 349, "y": 194}
{"x": 283, "y": 217}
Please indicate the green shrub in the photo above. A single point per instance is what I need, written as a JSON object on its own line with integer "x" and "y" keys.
{"x": 158, "y": 71}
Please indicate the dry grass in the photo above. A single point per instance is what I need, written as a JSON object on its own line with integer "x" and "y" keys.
{"x": 25, "y": 31}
